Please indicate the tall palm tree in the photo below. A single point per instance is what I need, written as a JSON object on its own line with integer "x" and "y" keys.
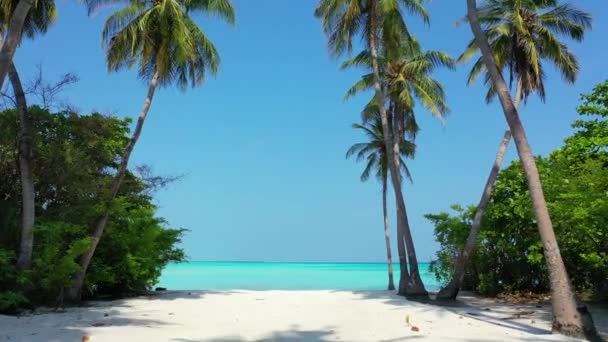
{"x": 168, "y": 47}
{"x": 521, "y": 34}
{"x": 374, "y": 21}
{"x": 374, "y": 152}
{"x": 37, "y": 21}
{"x": 405, "y": 70}
{"x": 568, "y": 318}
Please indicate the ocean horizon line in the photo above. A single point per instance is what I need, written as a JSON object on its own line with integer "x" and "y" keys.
{"x": 292, "y": 262}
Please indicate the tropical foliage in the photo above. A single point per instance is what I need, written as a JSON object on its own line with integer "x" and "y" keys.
{"x": 524, "y": 33}
{"x": 161, "y": 37}
{"x": 75, "y": 156}
{"x": 169, "y": 48}
{"x": 66, "y": 177}
{"x": 509, "y": 256}
{"x": 374, "y": 153}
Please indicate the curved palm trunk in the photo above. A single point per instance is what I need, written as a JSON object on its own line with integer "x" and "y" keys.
{"x": 13, "y": 36}
{"x": 451, "y": 290}
{"x": 414, "y": 285}
{"x": 28, "y": 194}
{"x": 387, "y": 235}
{"x": 568, "y": 318}
{"x": 411, "y": 287}
{"x": 74, "y": 293}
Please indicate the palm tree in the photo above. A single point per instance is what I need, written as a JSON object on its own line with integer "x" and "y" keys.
{"x": 14, "y": 30}
{"x": 374, "y": 152}
{"x": 404, "y": 71}
{"x": 568, "y": 319}
{"x": 521, "y": 35}
{"x": 37, "y": 21}
{"x": 169, "y": 48}
{"x": 375, "y": 21}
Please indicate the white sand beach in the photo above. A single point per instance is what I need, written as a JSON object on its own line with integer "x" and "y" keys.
{"x": 286, "y": 316}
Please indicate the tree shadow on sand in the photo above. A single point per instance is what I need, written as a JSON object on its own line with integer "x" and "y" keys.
{"x": 188, "y": 294}
{"x": 282, "y": 336}
{"x": 290, "y": 336}
{"x": 486, "y": 310}
{"x": 72, "y": 326}
{"x": 502, "y": 315}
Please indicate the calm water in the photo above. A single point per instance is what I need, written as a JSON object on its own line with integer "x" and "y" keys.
{"x": 282, "y": 276}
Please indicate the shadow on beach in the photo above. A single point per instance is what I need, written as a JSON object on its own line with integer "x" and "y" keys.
{"x": 75, "y": 322}
{"x": 489, "y": 310}
{"x": 282, "y": 336}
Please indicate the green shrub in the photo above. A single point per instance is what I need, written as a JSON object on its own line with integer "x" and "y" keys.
{"x": 509, "y": 254}
{"x": 75, "y": 157}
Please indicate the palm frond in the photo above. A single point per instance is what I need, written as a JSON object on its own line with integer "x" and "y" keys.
{"x": 219, "y": 8}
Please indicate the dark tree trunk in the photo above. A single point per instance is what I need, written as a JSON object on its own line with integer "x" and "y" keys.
{"x": 387, "y": 235}
{"x": 28, "y": 194}
{"x": 568, "y": 317}
{"x": 75, "y": 292}
{"x": 450, "y": 291}
{"x": 13, "y": 37}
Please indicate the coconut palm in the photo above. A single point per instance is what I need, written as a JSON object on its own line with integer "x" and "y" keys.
{"x": 375, "y": 21}
{"x": 404, "y": 71}
{"x": 168, "y": 48}
{"x": 522, "y": 35}
{"x": 374, "y": 153}
{"x": 567, "y": 317}
{"x": 37, "y": 21}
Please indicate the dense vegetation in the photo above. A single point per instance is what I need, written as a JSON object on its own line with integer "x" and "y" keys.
{"x": 75, "y": 220}
{"x": 509, "y": 254}
{"x": 74, "y": 159}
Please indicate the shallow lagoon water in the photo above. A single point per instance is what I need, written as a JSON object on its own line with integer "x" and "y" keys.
{"x": 283, "y": 276}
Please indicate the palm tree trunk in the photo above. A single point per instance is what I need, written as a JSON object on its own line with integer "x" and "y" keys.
{"x": 13, "y": 37}
{"x": 75, "y": 291}
{"x": 387, "y": 235}
{"x": 414, "y": 285}
{"x": 451, "y": 290}
{"x": 28, "y": 194}
{"x": 568, "y": 318}
{"x": 388, "y": 143}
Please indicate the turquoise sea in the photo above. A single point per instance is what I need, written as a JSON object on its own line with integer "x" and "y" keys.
{"x": 282, "y": 276}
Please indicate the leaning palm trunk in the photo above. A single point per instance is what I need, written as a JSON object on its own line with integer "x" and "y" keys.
{"x": 451, "y": 290}
{"x": 74, "y": 293}
{"x": 387, "y": 235}
{"x": 13, "y": 36}
{"x": 414, "y": 285}
{"x": 411, "y": 287}
{"x": 568, "y": 318}
{"x": 28, "y": 195}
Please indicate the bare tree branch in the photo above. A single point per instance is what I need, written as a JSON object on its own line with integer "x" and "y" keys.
{"x": 40, "y": 92}
{"x": 154, "y": 182}
{"x": 47, "y": 94}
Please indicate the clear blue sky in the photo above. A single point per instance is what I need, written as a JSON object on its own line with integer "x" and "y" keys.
{"x": 262, "y": 145}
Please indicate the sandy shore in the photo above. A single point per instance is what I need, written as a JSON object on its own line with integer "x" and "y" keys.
{"x": 286, "y": 316}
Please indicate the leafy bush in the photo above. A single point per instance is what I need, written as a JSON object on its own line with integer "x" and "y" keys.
{"x": 509, "y": 254}
{"x": 75, "y": 157}
{"x": 11, "y": 298}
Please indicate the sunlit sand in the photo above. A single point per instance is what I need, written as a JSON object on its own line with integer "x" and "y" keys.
{"x": 316, "y": 316}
